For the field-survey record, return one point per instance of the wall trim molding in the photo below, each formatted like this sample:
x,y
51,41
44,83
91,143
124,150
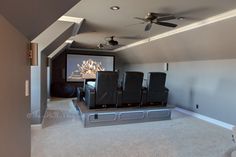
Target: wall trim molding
x,y
205,118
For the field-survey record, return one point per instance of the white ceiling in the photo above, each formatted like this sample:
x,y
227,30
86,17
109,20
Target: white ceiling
x,y
213,41
101,22
51,33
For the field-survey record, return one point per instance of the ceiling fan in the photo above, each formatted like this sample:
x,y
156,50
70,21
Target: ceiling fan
x,y
159,19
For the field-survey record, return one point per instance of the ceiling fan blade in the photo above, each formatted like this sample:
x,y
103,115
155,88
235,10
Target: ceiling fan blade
x,y
166,18
133,24
139,18
148,27
167,24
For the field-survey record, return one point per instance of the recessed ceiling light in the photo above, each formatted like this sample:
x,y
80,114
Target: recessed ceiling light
x,y
114,8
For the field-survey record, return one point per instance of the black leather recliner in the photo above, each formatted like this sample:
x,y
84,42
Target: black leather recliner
x,y
104,93
131,89
156,92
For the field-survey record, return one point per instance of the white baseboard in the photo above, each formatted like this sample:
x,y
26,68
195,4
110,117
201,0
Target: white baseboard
x,y
36,126
205,118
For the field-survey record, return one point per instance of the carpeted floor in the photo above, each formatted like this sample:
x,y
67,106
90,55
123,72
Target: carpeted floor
x,y
183,136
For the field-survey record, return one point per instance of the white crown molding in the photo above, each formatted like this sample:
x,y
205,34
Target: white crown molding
x,y
213,19
77,20
205,118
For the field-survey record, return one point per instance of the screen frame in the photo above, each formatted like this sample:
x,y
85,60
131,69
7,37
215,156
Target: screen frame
x,y
71,53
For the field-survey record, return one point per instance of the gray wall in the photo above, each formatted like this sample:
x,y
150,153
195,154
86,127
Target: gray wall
x,y
211,84
14,105
35,91
35,94
47,41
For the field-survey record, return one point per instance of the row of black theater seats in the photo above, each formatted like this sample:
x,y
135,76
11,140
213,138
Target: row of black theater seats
x,y
107,92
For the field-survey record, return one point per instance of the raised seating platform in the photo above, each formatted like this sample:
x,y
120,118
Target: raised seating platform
x,y
113,116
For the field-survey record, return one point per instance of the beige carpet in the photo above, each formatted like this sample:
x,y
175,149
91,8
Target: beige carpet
x,y
183,136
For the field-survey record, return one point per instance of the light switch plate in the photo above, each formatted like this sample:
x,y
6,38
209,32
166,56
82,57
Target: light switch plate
x,y
27,88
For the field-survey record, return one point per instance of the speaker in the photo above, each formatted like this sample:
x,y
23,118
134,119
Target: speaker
x,y
33,54
166,66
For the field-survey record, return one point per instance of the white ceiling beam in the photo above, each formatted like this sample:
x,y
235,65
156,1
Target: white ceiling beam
x,y
77,20
71,19
59,49
67,43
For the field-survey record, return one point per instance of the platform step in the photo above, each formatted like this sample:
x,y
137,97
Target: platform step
x,y
114,116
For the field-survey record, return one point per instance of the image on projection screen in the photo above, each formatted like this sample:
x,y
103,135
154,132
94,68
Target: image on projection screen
x,y
80,67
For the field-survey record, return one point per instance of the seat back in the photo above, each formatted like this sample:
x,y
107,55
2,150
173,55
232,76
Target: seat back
x,y
156,87
132,87
106,87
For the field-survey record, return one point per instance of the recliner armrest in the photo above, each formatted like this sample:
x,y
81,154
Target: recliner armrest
x,y
90,95
166,95
144,95
119,97
166,89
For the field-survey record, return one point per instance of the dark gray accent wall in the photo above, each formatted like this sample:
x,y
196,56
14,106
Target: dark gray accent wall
x,y
14,105
59,86
210,84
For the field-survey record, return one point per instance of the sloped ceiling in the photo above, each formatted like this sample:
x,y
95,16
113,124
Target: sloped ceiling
x,y
31,17
214,41
58,41
51,33
101,21
54,36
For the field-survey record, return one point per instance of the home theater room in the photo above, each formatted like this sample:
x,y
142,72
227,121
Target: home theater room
x,y
121,78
